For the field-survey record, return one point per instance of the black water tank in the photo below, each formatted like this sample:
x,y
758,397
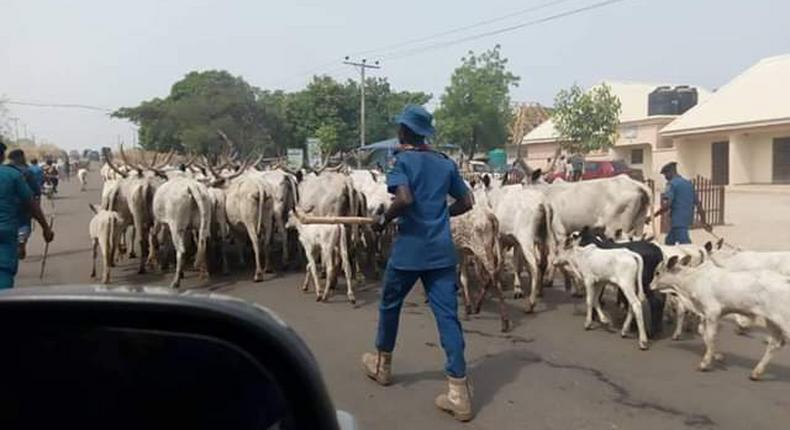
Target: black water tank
x,y
660,102
686,98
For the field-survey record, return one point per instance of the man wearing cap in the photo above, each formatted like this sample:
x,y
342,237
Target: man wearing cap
x,y
15,196
16,159
679,199
421,180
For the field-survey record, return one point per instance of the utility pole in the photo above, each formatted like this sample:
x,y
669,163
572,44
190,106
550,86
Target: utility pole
x,y
363,65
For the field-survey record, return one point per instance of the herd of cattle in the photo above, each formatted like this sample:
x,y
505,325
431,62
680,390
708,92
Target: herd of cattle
x,y
197,208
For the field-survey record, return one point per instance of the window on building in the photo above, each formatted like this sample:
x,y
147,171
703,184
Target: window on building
x,y
637,156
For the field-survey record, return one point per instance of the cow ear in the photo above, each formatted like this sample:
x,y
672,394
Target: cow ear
x,y
618,234
672,262
720,243
686,260
708,246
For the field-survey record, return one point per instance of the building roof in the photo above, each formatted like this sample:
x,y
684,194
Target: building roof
x,y
633,101
760,96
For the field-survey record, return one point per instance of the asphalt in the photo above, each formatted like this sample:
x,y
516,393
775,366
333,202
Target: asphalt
x,y
548,373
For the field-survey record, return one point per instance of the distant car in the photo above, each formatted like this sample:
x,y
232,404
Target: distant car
x,y
605,169
479,167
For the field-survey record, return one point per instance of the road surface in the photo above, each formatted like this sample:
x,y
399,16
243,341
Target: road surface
x,y
548,373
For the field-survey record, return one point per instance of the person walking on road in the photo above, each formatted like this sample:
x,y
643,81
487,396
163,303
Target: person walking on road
x,y
421,180
577,167
15,196
16,159
679,200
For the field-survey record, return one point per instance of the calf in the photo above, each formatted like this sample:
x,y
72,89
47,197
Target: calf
x,y
327,244
476,237
105,232
596,268
82,174
715,292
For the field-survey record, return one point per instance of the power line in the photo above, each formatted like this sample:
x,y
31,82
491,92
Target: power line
x,y
415,51
462,28
59,105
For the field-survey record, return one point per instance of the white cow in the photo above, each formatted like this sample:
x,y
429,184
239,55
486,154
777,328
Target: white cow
x,y
249,206
82,175
183,205
283,189
327,244
523,216
105,232
715,292
595,268
220,230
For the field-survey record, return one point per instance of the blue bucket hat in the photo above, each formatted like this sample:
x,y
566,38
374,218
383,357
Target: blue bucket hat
x,y
417,119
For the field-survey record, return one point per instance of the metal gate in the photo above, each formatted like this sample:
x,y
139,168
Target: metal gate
x,y
711,198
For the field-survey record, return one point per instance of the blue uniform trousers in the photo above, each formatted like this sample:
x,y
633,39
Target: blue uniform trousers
x,y
441,287
8,258
678,235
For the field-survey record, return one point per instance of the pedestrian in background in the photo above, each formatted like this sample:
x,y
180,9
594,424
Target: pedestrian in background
x,y
15,196
421,180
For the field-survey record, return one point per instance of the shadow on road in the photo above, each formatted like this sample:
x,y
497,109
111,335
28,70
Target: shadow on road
x,y
774,372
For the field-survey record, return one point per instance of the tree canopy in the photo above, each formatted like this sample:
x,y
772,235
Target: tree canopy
x,y
475,110
265,121
586,120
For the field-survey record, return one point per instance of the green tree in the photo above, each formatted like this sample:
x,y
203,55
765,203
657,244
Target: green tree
x,y
197,106
475,111
586,120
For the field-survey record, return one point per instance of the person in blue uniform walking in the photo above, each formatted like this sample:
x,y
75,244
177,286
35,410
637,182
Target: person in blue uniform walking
x,y
421,179
16,159
679,200
16,200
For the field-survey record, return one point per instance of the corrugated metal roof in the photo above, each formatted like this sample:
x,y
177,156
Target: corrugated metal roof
x,y
633,100
759,96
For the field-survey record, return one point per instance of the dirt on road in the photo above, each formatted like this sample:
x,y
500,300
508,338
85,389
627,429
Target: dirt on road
x,y
548,373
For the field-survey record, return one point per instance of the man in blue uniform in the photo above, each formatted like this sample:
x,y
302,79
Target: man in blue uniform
x,y
421,180
37,172
16,159
680,199
15,196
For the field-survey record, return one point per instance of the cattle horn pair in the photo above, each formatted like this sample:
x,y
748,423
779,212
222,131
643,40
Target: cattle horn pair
x,y
108,160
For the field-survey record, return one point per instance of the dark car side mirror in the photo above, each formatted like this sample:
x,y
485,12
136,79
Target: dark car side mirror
x,y
84,357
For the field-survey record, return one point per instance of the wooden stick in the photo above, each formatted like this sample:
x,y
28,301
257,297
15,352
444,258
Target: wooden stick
x,y
46,248
353,220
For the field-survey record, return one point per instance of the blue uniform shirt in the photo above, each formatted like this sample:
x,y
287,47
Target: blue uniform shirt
x,y
38,174
14,192
682,199
424,240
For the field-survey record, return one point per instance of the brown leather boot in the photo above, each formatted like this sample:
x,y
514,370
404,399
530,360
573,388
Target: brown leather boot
x,y
458,400
378,366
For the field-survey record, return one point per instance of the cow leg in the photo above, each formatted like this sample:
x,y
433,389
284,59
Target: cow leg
x,y
131,243
312,266
328,258
775,341
306,282
284,233
629,319
267,240
179,244
636,312
680,319
463,280
598,290
256,251
106,250
709,336
518,267
346,262
153,246
93,269
589,289
534,280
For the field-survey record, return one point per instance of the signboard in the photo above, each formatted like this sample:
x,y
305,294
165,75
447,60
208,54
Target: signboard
x,y
295,158
314,153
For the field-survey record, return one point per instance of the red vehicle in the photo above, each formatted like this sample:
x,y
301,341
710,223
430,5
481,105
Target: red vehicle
x,y
604,169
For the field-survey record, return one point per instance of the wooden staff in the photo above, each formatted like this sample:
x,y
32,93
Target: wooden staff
x,y
351,220
46,248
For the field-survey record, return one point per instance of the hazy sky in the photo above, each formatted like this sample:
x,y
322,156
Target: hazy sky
x,y
117,53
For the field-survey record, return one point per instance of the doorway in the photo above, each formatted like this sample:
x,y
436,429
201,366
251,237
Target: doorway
x,y
720,161
781,160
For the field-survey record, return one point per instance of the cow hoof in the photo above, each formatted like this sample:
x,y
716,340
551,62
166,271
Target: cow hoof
x,y
718,357
352,300
258,277
318,298
643,346
132,255
468,310
530,308
588,326
623,334
505,326
518,295
702,367
675,337
754,376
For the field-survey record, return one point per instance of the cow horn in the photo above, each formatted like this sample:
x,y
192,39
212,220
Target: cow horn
x,y
167,159
108,160
126,160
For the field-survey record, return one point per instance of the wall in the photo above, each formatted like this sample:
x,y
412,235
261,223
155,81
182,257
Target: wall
x,y
694,156
537,153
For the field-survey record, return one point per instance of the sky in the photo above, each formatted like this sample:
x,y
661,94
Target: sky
x,y
108,54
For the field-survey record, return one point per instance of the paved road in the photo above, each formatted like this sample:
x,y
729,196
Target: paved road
x,y
547,374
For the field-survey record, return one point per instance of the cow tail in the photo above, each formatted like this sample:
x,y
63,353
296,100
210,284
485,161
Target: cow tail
x,y
645,209
205,219
497,248
261,201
